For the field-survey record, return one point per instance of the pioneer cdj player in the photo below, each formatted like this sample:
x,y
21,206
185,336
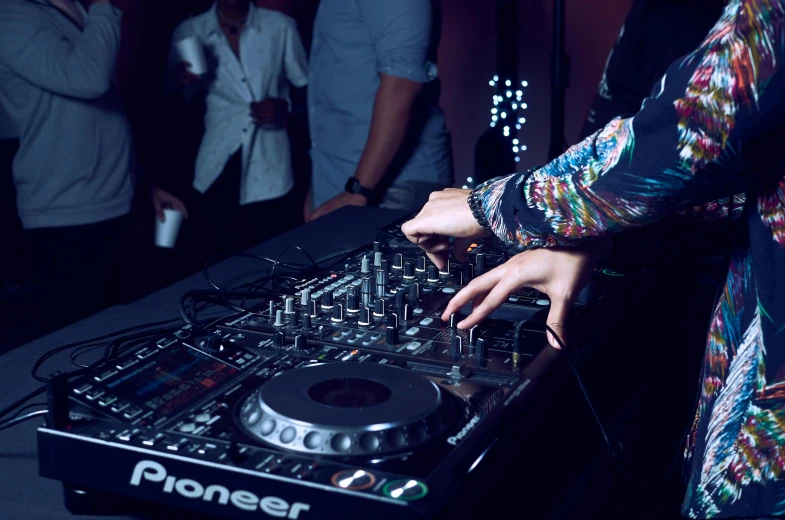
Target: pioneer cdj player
x,y
348,393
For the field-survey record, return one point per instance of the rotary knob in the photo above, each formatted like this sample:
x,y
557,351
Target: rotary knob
x,y
457,278
382,278
271,308
377,259
279,340
408,271
480,261
453,320
392,320
468,272
289,306
473,335
400,298
446,268
306,321
481,348
365,265
414,291
407,312
305,297
377,247
398,261
327,300
300,342
337,313
279,318
352,291
456,345
384,266
366,286
352,304
392,336
365,317
421,264
379,308
313,308
433,274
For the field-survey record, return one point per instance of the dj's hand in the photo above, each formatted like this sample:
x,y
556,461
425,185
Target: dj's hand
x,y
183,74
560,273
163,199
446,215
339,201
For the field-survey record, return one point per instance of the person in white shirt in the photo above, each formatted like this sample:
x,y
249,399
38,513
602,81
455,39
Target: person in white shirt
x,y
242,172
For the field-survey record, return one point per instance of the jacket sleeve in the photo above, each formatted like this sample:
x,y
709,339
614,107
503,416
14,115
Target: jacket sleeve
x,y
708,132
81,69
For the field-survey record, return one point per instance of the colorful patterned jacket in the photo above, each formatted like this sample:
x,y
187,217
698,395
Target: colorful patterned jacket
x,y
713,128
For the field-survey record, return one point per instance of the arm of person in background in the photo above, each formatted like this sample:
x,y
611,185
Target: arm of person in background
x,y
295,68
681,149
401,33
81,69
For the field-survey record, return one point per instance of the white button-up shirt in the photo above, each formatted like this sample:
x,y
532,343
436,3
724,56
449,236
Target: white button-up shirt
x,y
271,57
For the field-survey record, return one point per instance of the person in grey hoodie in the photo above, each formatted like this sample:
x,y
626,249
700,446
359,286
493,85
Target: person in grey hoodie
x,y
73,172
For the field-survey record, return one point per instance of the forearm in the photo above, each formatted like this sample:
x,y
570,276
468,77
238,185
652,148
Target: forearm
x,y
392,113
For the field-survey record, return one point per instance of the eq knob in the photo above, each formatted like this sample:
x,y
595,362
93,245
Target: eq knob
x,y
421,264
295,320
306,321
377,247
392,336
408,271
352,303
278,318
457,278
473,335
433,274
305,297
271,308
337,313
446,268
313,308
414,291
279,340
352,291
400,298
480,261
468,272
377,259
289,306
366,286
365,265
398,261
457,345
382,278
327,300
300,342
481,348
392,320
453,320
407,312
379,308
384,266
365,317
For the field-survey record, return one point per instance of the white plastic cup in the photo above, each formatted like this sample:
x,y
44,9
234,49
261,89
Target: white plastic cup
x,y
166,232
190,50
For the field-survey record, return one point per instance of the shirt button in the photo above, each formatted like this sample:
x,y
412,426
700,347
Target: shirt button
x,y
243,80
245,130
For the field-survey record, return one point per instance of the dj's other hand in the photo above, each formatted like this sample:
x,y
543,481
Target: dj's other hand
x,y
560,273
269,110
339,201
446,215
183,74
162,199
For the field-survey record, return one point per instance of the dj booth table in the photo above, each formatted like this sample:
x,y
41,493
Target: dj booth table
x,y
23,493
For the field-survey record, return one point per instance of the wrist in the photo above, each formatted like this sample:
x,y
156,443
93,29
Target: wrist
x,y
355,187
475,205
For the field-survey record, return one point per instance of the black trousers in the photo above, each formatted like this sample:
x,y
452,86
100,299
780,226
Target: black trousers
x,y
219,224
80,270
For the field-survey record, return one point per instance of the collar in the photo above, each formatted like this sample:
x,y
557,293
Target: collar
x,y
212,27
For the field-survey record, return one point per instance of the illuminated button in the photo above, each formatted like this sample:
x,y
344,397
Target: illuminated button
x,y
543,302
412,331
118,406
105,375
82,389
418,311
187,427
202,417
127,363
407,490
107,400
145,353
426,322
127,435
153,440
354,479
177,446
93,395
414,345
130,413
448,290
513,299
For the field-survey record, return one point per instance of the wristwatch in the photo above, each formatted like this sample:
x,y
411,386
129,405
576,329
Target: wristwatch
x,y
475,204
354,186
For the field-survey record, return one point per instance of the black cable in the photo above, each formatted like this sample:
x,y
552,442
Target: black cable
x,y
284,250
223,256
25,408
19,402
17,420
